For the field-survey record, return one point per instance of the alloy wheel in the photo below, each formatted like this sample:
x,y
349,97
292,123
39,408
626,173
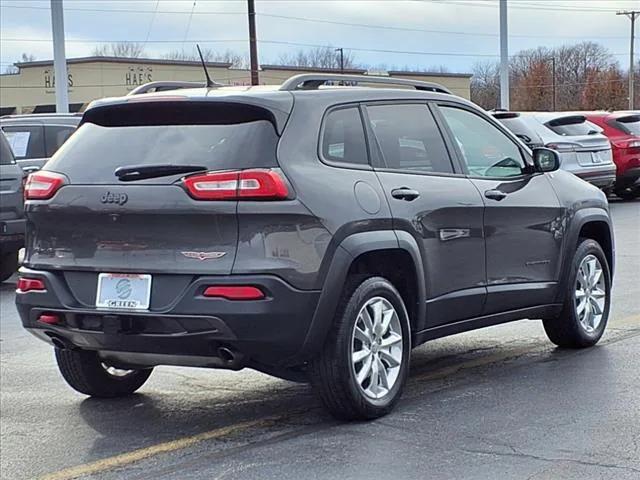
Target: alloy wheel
x,y
376,348
590,293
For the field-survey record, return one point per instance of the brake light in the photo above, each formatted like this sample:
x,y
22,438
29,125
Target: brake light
x,y
42,185
243,184
234,292
30,285
49,319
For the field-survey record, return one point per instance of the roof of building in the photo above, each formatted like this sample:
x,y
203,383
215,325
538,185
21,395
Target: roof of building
x,y
153,61
313,69
428,74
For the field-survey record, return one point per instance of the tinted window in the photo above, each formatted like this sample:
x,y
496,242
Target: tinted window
x,y
408,138
486,150
343,138
94,152
26,141
6,156
570,126
55,136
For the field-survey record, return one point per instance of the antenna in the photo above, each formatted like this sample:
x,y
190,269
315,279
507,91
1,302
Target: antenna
x,y
210,83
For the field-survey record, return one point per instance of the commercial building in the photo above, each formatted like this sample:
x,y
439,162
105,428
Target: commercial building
x,y
32,88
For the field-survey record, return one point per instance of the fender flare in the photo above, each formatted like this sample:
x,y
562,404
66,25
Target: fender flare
x,y
579,220
344,255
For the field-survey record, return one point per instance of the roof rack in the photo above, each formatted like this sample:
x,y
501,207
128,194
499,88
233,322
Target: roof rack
x,y
311,81
164,85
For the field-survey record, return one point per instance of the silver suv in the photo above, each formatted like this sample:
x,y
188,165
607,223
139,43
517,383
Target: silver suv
x,y
584,150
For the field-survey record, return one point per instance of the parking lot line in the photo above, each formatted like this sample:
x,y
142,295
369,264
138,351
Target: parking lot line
x,y
133,456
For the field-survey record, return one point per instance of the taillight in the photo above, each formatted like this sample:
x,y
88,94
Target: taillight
x,y
562,147
243,184
42,185
30,285
234,292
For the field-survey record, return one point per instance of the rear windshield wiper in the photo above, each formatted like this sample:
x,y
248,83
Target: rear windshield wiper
x,y
140,172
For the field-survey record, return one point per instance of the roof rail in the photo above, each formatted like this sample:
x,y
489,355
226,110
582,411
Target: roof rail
x,y
311,81
164,85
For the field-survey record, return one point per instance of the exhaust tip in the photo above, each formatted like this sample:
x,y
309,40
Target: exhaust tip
x,y
227,354
58,343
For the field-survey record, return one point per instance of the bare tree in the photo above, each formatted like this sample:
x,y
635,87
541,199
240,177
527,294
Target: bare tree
x,y
485,84
236,60
120,49
319,57
25,57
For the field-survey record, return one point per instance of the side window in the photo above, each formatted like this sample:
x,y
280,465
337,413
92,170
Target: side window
x,y
409,138
55,136
343,137
486,150
26,141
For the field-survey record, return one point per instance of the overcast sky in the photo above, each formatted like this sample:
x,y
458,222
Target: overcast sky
x,y
452,33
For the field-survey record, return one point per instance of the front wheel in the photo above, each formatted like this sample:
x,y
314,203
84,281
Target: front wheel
x,y
363,367
87,373
587,301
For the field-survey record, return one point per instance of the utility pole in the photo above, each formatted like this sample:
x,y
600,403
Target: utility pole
x,y
553,83
59,57
341,50
631,15
504,57
253,42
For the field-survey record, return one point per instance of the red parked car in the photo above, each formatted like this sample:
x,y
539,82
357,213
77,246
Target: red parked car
x,y
623,130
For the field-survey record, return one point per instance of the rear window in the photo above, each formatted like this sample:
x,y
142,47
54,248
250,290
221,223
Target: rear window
x,y
27,141
55,136
6,156
629,124
94,152
572,126
519,128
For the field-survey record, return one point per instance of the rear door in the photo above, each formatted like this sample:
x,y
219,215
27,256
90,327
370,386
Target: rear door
x,y
440,208
523,219
10,185
99,223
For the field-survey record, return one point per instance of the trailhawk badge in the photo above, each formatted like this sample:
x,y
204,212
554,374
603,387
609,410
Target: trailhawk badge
x,y
204,255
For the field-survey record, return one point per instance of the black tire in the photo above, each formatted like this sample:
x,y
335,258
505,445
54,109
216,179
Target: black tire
x,y
567,330
628,193
84,371
9,265
331,372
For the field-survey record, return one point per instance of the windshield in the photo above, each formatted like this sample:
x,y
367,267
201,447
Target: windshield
x,y
94,152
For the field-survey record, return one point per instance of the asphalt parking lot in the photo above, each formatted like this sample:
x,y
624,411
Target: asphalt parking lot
x,y
496,403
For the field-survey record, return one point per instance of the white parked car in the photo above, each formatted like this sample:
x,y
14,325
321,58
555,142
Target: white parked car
x,y
583,149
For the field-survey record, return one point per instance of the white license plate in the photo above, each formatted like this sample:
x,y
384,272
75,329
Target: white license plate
x,y
596,157
123,291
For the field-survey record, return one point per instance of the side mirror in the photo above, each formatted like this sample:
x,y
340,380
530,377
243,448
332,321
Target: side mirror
x,y
546,160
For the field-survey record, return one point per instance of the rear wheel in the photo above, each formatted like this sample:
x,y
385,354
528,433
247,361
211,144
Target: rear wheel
x,y
628,193
363,366
8,265
587,300
87,373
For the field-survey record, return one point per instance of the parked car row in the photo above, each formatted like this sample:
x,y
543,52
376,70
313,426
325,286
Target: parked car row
x,y
602,148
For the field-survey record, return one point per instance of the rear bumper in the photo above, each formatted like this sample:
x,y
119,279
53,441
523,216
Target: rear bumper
x,y
12,234
630,176
191,331
601,177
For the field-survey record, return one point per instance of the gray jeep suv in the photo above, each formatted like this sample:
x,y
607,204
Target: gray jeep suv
x,y
12,222
315,234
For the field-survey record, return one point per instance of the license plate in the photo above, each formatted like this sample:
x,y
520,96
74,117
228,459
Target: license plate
x,y
596,158
123,291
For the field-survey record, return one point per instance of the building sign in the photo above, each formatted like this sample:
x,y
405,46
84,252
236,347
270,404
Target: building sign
x,y
135,76
50,80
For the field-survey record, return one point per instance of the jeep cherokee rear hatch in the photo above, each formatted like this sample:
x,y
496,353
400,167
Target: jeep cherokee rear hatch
x,y
152,187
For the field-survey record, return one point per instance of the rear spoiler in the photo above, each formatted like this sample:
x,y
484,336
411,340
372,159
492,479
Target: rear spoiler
x,y
568,120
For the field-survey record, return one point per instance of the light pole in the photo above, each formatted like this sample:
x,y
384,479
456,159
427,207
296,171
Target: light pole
x,y
504,57
253,42
341,50
632,15
59,57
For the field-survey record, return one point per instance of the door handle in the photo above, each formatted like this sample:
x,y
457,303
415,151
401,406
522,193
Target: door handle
x,y
405,193
495,194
